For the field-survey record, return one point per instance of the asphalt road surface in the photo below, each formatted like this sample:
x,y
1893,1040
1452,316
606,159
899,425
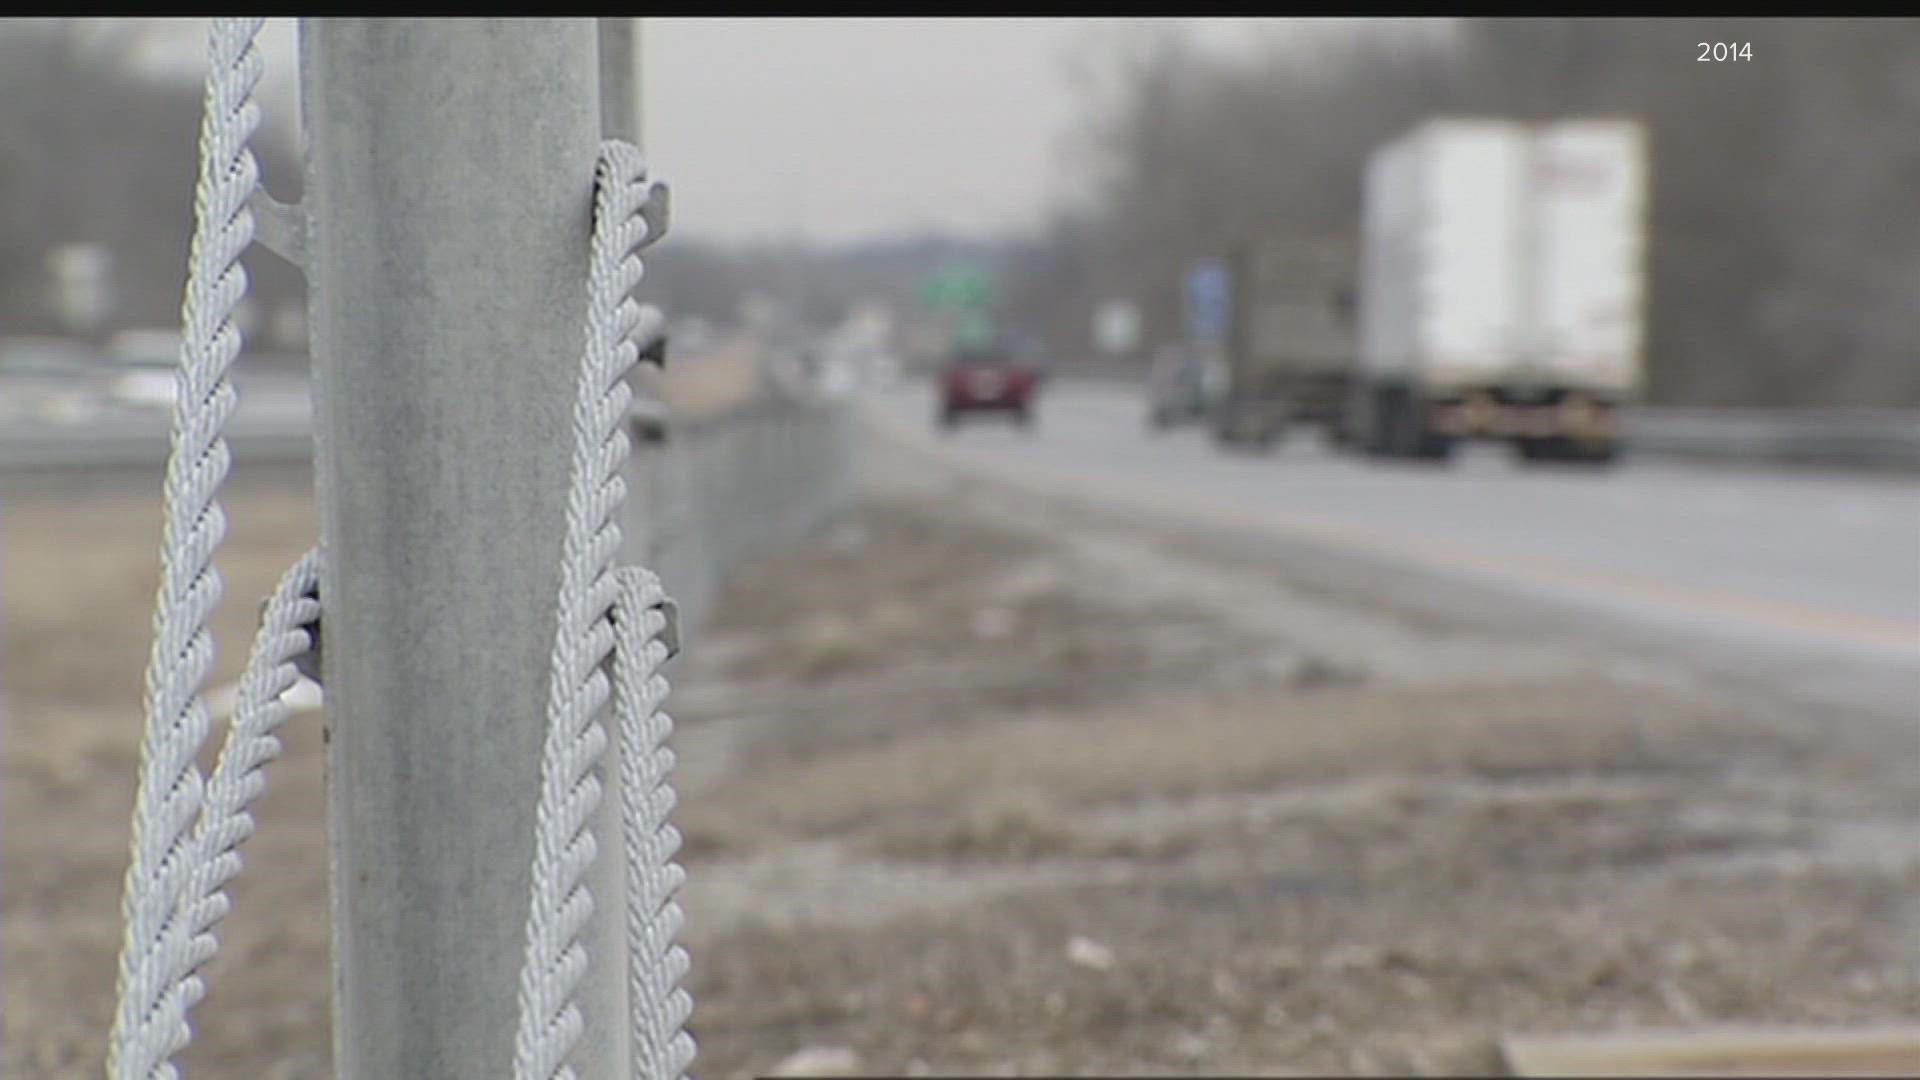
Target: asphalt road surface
x,y
1803,584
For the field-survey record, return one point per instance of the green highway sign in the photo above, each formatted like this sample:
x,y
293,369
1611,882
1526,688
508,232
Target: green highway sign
x,y
973,330
959,288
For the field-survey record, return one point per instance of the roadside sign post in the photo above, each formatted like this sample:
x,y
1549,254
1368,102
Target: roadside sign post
x,y
963,295
605,937
1206,303
621,91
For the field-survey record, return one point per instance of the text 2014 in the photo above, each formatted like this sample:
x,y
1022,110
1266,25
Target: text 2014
x,y
1721,50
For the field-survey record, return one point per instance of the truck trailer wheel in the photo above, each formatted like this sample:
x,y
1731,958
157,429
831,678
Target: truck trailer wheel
x,y
1598,455
1434,447
1558,449
1226,429
1400,430
1605,454
1340,433
1369,424
1272,435
1397,427
1235,442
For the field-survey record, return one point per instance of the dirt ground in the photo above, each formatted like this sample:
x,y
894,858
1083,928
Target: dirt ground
x,y
966,790
78,573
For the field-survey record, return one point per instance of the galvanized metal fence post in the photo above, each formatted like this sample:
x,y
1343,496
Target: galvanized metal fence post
x,y
620,90
605,984
450,173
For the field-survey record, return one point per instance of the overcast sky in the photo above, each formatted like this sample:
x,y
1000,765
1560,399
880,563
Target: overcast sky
x,y
844,129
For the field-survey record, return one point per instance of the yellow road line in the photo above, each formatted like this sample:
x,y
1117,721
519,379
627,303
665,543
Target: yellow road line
x,y
1434,553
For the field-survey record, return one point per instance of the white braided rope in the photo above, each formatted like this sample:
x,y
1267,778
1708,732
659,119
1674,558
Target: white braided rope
x,y
153,995
564,844
239,776
175,883
212,858
658,1006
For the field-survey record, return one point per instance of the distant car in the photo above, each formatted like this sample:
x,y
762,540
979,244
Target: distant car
x,y
988,382
1179,391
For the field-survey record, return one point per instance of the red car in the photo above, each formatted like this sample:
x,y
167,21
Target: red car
x,y
989,383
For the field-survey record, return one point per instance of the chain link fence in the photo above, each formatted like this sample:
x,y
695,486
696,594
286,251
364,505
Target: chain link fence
x,y
708,494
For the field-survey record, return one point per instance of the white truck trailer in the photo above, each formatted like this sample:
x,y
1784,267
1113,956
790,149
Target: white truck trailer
x,y
1502,281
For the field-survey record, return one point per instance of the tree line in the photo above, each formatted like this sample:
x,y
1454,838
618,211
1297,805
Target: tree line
x,y
94,151
1784,244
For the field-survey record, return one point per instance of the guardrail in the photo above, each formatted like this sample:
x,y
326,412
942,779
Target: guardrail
x,y
273,424
1866,439
715,492
705,493
87,447
1881,439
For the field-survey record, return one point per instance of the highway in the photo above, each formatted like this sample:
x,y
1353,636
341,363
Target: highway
x,y
1804,584
272,422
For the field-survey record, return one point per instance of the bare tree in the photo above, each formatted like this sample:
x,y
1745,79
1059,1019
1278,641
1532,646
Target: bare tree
x,y
91,151
1784,246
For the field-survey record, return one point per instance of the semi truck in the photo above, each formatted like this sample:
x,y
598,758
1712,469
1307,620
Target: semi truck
x,y
1502,281
1290,345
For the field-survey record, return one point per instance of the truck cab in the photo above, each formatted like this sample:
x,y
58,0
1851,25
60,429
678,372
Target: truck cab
x,y
1291,343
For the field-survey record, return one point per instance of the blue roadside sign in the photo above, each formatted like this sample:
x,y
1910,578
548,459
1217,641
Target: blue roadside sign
x,y
1207,301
